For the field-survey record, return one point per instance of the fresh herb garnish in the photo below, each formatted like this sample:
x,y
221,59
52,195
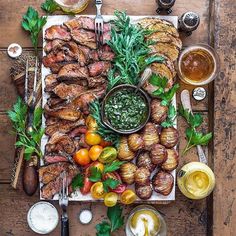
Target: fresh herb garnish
x,y
161,83
33,23
95,174
29,140
193,137
110,183
77,182
106,133
116,219
115,165
131,50
50,6
171,115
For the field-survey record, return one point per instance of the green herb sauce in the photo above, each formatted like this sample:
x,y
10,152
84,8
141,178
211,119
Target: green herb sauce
x,y
125,110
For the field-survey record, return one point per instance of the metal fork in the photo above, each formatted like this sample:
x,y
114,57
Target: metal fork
x,y
99,24
63,202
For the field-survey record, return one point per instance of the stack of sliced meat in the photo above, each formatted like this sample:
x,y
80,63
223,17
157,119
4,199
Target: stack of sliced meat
x,y
79,76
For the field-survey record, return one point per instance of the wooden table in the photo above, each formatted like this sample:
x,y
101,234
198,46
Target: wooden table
x,y
215,215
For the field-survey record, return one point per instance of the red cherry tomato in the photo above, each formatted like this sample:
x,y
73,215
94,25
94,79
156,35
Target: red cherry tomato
x,y
87,183
114,175
105,143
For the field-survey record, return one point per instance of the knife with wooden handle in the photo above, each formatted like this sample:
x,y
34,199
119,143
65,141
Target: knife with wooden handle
x,y
185,99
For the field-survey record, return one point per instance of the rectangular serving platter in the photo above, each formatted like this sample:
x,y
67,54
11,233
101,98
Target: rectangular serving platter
x,y
77,196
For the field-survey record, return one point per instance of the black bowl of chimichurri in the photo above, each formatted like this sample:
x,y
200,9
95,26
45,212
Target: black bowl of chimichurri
x,y
124,110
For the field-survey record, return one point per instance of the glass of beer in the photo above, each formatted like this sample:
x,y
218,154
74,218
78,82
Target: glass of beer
x,y
72,6
198,64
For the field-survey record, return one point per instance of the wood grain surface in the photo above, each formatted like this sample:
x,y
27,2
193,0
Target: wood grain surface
x,y
184,217
224,197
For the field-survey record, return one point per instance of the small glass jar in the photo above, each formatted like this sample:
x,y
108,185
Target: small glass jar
x,y
198,64
73,6
162,231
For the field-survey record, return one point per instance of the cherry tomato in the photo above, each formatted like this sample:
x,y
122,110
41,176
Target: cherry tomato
x,y
95,151
105,143
119,189
91,123
92,138
87,183
128,197
97,190
110,199
114,175
98,165
81,157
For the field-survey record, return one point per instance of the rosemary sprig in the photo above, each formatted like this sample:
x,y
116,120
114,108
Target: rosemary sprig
x,y
106,133
131,50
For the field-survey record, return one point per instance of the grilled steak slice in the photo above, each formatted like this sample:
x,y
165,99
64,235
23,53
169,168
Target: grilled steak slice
x,y
84,22
78,131
84,37
57,32
53,187
63,126
94,82
50,82
65,113
62,140
54,45
55,158
99,68
57,57
69,92
50,172
54,101
106,53
72,72
55,67
106,37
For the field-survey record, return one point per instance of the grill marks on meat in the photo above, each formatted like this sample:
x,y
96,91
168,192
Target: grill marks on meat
x,y
55,158
99,68
63,126
69,92
54,186
49,173
72,72
60,142
57,32
50,82
84,37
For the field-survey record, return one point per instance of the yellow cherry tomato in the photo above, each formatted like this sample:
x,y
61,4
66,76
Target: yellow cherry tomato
x,y
110,199
91,123
95,151
128,197
81,157
98,165
92,138
97,190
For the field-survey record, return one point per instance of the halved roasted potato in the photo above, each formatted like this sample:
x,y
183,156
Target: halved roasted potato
x,y
164,37
167,49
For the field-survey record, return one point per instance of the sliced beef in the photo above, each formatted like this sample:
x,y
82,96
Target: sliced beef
x,y
78,131
55,67
55,158
69,92
50,82
95,82
63,126
57,32
54,101
99,68
84,37
72,72
106,37
84,22
65,113
53,187
63,141
50,172
106,55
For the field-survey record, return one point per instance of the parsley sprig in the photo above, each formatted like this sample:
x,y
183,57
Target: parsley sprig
x,y
194,137
171,116
78,181
33,23
116,221
106,133
50,6
131,50
29,140
97,175
161,83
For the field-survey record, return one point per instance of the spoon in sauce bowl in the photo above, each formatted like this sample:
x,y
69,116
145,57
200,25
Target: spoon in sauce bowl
x,y
145,76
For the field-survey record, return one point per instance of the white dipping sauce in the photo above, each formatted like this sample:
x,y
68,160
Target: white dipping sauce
x,y
42,217
85,216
